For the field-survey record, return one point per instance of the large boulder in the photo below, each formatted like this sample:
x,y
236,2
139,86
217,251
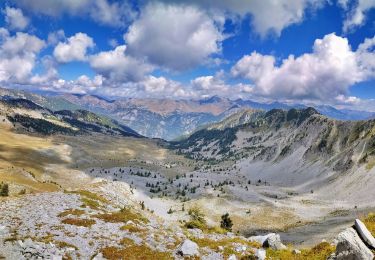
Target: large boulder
x,y
351,247
271,240
364,233
188,248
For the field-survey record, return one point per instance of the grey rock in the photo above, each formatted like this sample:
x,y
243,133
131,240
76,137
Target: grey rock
x,y
351,247
296,251
364,233
213,256
188,248
270,240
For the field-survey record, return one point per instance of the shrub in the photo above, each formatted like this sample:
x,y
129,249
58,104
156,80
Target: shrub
x,y
197,219
4,190
226,222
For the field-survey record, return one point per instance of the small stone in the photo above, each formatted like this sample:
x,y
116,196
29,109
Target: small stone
x,y
232,257
296,252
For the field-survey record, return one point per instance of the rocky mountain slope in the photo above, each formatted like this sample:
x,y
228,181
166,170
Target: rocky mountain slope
x,y
299,148
25,115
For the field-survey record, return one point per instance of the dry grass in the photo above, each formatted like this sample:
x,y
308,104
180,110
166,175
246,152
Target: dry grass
x,y
90,195
132,251
227,244
124,215
93,204
369,221
320,252
79,222
74,212
132,228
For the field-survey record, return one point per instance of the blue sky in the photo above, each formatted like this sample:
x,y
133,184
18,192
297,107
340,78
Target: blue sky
x,y
298,51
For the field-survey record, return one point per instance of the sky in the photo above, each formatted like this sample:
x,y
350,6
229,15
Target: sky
x,y
295,51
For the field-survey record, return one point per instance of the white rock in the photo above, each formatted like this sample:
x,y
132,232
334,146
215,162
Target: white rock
x,y
364,233
273,241
188,248
296,252
260,254
220,248
351,247
232,257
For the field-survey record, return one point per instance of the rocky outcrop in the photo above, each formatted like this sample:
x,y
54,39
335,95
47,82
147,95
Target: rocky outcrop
x,y
271,240
364,233
351,247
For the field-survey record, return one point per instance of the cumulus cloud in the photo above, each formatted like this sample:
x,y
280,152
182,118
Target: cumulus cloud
x,y
15,19
356,13
324,74
106,12
117,66
175,37
205,86
268,16
74,49
18,55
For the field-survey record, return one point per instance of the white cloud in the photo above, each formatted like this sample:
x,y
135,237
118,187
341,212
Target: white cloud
x,y
103,11
356,14
117,66
15,18
175,37
55,37
74,49
267,15
18,55
206,86
324,74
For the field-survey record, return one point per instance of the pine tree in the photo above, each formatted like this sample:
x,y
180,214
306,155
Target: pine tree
x,y
4,191
226,222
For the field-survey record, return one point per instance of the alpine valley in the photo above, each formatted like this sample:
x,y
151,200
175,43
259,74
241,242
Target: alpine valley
x,y
83,177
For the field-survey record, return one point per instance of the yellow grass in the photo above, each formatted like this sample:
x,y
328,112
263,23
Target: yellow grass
x,y
79,222
320,252
369,221
124,215
132,251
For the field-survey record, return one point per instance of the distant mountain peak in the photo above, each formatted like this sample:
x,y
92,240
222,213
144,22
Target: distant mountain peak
x,y
211,100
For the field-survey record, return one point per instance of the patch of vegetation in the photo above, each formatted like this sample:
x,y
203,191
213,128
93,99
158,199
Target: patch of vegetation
x,y
132,251
90,195
4,189
79,222
90,199
131,228
197,219
319,252
369,221
75,212
40,125
124,215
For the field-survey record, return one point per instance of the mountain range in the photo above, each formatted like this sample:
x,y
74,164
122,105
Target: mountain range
x,y
168,119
